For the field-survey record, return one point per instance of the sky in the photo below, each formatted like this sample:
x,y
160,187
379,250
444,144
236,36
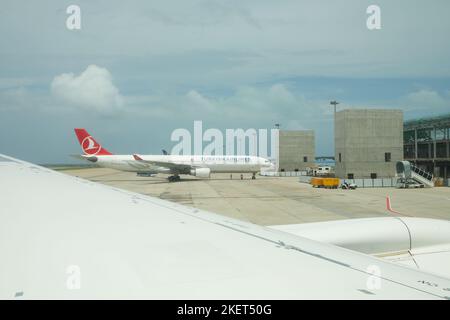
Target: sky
x,y
137,70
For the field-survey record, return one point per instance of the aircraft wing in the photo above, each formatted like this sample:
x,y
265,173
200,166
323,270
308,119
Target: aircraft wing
x,y
175,167
67,238
84,157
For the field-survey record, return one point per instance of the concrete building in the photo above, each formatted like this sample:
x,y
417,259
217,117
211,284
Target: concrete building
x,y
368,142
296,150
427,144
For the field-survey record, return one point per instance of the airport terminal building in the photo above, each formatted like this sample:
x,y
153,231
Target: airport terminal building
x,y
368,143
427,144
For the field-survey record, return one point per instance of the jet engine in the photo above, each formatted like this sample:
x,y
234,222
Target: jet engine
x,y
201,172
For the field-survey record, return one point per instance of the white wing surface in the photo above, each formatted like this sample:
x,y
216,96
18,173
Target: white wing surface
x,y
64,237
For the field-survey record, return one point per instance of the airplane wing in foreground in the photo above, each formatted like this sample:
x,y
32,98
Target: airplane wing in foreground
x,y
67,238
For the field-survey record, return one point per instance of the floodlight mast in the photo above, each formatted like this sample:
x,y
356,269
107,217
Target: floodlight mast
x,y
334,103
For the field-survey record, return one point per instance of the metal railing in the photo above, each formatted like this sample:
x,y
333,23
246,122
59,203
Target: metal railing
x,y
422,173
283,173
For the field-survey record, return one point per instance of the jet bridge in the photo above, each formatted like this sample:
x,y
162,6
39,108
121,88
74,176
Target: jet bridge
x,y
411,175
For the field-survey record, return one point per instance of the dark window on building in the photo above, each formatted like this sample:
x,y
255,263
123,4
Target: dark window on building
x,y
282,170
340,159
295,170
387,157
350,176
423,151
409,152
305,159
409,136
373,176
441,150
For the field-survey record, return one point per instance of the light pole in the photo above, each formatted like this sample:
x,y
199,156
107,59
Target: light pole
x,y
275,154
334,103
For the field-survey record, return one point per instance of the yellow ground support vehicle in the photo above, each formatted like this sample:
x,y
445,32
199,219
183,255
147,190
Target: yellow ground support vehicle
x,y
317,182
329,183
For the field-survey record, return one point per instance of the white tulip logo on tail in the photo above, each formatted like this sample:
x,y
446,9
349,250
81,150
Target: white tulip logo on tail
x,y
90,146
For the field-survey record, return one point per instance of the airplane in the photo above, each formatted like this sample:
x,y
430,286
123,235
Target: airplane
x,y
147,165
64,237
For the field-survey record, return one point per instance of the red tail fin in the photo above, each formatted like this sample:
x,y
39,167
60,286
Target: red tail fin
x,y
89,145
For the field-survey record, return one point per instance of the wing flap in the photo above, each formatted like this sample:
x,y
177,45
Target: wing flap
x,y
177,167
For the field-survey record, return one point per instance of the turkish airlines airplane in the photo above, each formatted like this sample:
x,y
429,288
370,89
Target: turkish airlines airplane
x,y
196,165
68,238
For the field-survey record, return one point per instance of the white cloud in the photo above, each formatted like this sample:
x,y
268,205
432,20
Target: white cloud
x,y
198,101
279,93
424,102
425,97
248,104
93,89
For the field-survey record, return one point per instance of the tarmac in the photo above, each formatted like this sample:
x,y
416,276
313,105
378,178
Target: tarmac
x,y
277,200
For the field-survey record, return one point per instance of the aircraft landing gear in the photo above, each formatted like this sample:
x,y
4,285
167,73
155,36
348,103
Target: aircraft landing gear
x,y
174,178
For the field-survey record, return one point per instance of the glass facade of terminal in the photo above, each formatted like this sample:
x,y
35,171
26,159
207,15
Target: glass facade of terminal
x,y
427,144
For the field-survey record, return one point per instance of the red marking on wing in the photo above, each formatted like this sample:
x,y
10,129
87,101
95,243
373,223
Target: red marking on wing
x,y
389,207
